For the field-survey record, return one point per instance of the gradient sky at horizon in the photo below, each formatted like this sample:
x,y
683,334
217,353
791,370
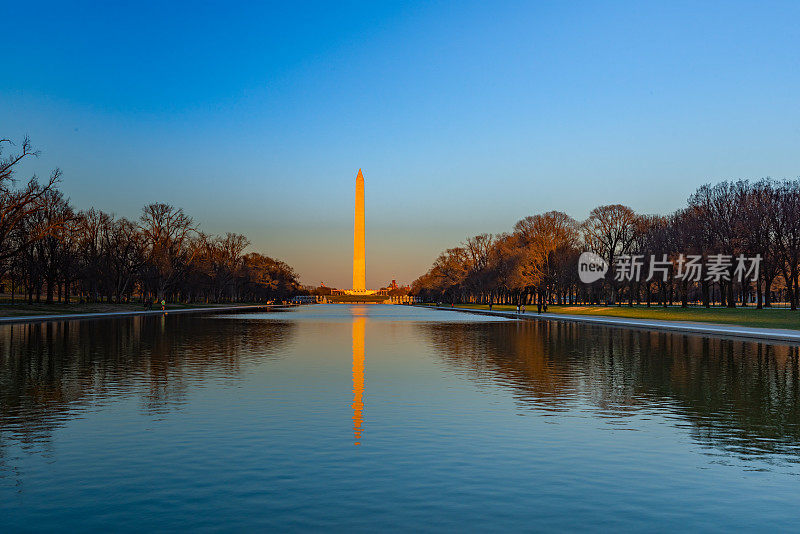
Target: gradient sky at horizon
x,y
465,117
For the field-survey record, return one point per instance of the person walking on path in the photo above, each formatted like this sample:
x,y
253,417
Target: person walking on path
x,y
163,304
517,309
523,308
538,306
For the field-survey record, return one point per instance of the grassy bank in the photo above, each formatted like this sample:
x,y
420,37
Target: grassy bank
x,y
767,318
20,310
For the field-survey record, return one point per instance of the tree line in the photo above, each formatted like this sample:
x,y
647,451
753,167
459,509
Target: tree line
x,y
538,260
49,251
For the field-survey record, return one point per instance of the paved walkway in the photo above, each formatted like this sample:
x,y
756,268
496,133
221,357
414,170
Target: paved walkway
x,y
110,315
772,334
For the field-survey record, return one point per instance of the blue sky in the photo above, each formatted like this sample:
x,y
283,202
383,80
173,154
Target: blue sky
x,y
464,116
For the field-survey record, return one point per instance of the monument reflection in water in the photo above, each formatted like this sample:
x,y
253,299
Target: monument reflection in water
x,y
359,324
249,422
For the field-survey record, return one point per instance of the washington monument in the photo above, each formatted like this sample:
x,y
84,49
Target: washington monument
x,y
359,260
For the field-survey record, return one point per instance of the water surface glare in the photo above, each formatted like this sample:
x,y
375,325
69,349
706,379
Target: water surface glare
x,y
349,417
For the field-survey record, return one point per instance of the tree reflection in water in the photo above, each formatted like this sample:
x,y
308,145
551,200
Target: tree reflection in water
x,y
49,371
738,395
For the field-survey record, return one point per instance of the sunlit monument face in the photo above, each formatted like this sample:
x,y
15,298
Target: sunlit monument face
x,y
359,261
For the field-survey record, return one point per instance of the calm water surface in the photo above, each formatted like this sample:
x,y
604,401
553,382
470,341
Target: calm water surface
x,y
357,417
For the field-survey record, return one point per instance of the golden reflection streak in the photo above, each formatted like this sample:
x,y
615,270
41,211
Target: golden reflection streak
x,y
358,375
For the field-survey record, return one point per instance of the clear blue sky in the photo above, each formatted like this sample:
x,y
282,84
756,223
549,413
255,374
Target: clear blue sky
x,y
465,116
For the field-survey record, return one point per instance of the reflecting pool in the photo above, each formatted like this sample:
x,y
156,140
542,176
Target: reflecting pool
x,y
350,417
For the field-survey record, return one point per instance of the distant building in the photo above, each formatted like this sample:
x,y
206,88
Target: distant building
x,y
394,290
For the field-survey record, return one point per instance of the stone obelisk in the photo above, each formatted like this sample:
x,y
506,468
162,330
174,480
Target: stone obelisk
x,y
359,260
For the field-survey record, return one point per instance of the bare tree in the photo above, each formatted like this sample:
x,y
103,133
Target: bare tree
x,y
786,225
19,204
610,232
543,241
167,232
478,250
716,208
125,255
